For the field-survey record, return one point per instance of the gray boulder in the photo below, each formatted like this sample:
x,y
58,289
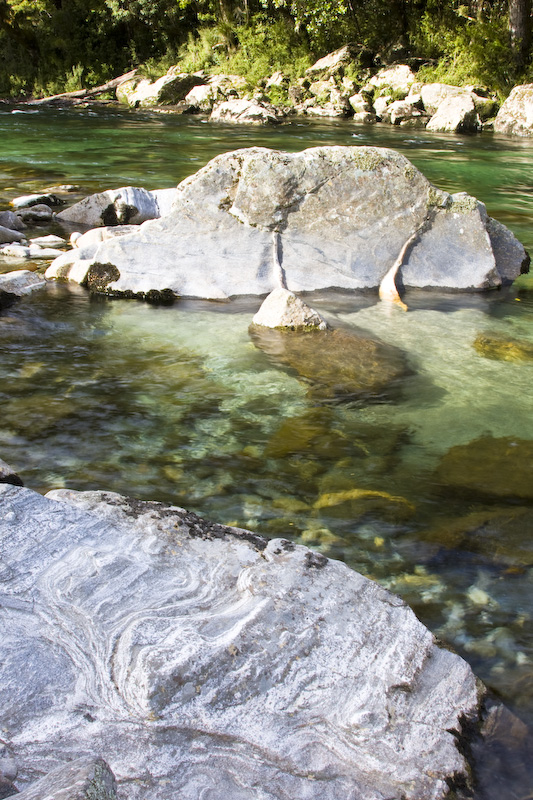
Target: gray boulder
x,y
170,88
8,219
41,212
85,778
342,215
516,114
118,207
7,235
205,661
456,114
246,111
21,282
398,77
333,63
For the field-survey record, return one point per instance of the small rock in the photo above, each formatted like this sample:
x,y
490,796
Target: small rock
x,y
8,475
246,111
282,309
43,252
21,282
29,200
7,235
493,467
15,251
48,241
8,219
37,213
499,348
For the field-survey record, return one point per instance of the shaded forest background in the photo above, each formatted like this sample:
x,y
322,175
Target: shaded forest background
x,y
47,46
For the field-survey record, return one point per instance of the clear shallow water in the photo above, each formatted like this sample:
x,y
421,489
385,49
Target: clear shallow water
x,y
177,404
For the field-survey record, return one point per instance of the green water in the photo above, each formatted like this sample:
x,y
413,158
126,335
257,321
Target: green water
x,y
178,404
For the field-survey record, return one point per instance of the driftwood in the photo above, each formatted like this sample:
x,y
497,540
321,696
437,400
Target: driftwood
x,y
82,94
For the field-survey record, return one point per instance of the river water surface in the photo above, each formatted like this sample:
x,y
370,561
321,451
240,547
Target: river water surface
x,y
177,404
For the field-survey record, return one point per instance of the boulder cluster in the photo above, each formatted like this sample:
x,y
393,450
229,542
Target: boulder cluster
x,y
392,95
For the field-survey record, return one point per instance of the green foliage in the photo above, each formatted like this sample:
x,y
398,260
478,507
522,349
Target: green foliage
x,y
267,47
469,51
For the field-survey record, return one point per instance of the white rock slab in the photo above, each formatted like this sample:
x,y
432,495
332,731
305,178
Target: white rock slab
x,y
21,281
204,661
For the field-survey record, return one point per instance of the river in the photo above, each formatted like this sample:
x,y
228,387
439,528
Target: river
x,y
176,404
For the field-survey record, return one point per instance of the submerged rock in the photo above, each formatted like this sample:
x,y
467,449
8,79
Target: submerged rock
x,y
495,534
500,348
21,281
337,364
343,215
202,659
489,467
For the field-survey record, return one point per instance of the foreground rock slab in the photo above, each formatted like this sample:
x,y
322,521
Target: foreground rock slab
x,y
338,217
204,661
83,779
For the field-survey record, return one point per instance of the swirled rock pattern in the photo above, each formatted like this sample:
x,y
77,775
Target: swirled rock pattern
x,y
204,662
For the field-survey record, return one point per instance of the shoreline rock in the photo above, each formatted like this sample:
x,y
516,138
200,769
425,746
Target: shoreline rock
x,y
217,659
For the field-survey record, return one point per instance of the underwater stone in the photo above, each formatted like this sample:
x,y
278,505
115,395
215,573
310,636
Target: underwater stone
x,y
206,661
338,363
490,467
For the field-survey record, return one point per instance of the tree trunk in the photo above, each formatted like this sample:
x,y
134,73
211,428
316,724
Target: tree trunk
x,y
83,94
520,30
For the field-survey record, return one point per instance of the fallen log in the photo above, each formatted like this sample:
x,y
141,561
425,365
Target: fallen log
x,y
82,94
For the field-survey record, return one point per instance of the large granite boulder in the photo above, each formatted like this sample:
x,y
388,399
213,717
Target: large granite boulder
x,y
170,88
340,217
516,114
204,661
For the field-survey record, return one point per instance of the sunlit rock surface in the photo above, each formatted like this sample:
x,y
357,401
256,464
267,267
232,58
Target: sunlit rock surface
x,y
342,216
204,662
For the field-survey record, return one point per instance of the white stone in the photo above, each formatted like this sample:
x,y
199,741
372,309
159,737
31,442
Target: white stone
x,y
204,661
21,282
283,309
48,241
399,78
516,114
456,114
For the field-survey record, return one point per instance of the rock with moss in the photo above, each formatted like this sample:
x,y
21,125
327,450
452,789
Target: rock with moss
x,y
342,216
204,660
169,89
500,348
86,778
516,114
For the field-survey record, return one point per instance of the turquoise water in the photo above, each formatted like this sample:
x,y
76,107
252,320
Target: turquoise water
x,y
178,404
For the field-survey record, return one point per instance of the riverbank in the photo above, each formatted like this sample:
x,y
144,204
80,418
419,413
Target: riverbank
x,y
332,88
